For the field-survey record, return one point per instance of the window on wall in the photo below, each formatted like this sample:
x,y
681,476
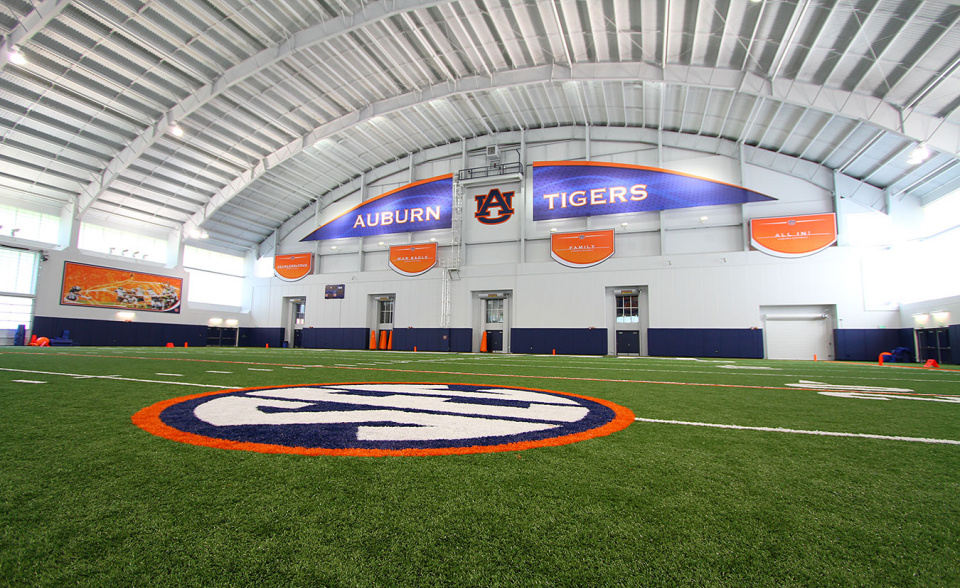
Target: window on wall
x,y
29,224
112,241
386,312
215,278
495,310
214,261
18,278
628,309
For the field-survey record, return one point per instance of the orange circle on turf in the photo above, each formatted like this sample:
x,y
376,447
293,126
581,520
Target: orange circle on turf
x,y
149,419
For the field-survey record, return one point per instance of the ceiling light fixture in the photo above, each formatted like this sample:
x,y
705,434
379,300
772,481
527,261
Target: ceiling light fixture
x,y
919,155
175,129
204,235
16,57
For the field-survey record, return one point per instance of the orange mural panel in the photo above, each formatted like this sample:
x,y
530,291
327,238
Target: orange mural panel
x,y
413,260
104,287
794,236
582,249
293,267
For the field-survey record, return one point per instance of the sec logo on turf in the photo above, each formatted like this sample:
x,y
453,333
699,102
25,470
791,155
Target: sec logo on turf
x,y
377,419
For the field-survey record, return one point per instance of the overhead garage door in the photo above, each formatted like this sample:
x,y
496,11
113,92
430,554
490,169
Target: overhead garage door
x,y
798,338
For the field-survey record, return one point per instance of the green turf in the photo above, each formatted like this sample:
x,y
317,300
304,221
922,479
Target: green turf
x,y
89,499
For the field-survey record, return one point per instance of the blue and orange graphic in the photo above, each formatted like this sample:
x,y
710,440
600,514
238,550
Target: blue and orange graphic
x,y
421,206
381,419
568,189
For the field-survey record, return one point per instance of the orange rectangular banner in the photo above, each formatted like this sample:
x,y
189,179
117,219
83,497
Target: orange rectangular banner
x,y
582,249
794,236
293,267
105,287
413,260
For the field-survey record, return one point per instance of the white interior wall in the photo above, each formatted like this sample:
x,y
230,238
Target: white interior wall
x,y
697,271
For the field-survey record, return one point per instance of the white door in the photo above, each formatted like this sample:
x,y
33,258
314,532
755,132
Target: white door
x,y
800,338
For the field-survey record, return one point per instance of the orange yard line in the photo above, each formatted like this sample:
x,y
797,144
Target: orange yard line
x,y
445,373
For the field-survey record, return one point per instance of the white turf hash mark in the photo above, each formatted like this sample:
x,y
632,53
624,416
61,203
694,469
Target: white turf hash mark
x,y
118,378
802,432
28,381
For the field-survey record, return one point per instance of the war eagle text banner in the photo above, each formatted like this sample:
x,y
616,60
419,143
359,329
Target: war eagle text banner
x,y
567,189
421,206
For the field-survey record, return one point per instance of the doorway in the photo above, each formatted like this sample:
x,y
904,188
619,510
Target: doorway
x,y
798,332
294,319
382,310
627,320
934,344
494,321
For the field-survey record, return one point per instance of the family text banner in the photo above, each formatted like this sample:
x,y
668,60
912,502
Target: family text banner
x,y
794,236
413,260
293,267
567,189
421,206
584,249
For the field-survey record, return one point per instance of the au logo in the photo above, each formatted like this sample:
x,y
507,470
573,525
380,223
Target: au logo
x,y
378,419
494,199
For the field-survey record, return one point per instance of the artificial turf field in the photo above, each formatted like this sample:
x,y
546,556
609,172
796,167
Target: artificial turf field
x,y
87,498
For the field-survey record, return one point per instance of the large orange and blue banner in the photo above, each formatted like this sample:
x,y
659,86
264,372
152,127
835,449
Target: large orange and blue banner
x,y
104,287
421,206
794,236
568,189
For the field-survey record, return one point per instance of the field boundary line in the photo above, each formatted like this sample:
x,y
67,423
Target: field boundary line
x,y
802,432
95,377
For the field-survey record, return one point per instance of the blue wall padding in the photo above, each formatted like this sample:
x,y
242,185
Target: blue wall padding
x,y
868,344
564,341
336,338
432,339
261,337
955,344
117,333
732,343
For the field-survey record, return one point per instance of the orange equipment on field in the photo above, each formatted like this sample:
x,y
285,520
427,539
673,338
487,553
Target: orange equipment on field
x,y
483,342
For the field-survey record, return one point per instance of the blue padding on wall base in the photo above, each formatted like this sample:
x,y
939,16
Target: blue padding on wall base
x,y
432,339
336,338
116,333
563,341
732,343
954,331
868,344
261,337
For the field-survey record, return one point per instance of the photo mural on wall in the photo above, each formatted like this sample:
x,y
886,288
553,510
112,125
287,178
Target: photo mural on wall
x,y
104,287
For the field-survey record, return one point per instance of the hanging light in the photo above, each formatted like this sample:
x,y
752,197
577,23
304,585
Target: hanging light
x,y
919,155
175,129
16,57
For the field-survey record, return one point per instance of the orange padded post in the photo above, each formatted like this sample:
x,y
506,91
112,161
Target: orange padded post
x,y
383,339
881,359
483,342
390,341
373,339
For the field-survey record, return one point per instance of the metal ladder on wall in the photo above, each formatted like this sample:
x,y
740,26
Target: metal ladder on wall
x,y
451,265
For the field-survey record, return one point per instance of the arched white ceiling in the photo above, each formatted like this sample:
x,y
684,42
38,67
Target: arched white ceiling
x,y
849,85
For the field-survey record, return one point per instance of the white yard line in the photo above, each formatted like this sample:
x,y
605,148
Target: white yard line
x,y
802,432
117,378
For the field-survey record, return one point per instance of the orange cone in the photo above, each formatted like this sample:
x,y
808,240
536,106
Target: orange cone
x,y
390,341
931,363
185,344
383,339
373,339
483,343
170,345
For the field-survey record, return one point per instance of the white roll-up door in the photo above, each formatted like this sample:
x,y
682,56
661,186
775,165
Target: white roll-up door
x,y
798,337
